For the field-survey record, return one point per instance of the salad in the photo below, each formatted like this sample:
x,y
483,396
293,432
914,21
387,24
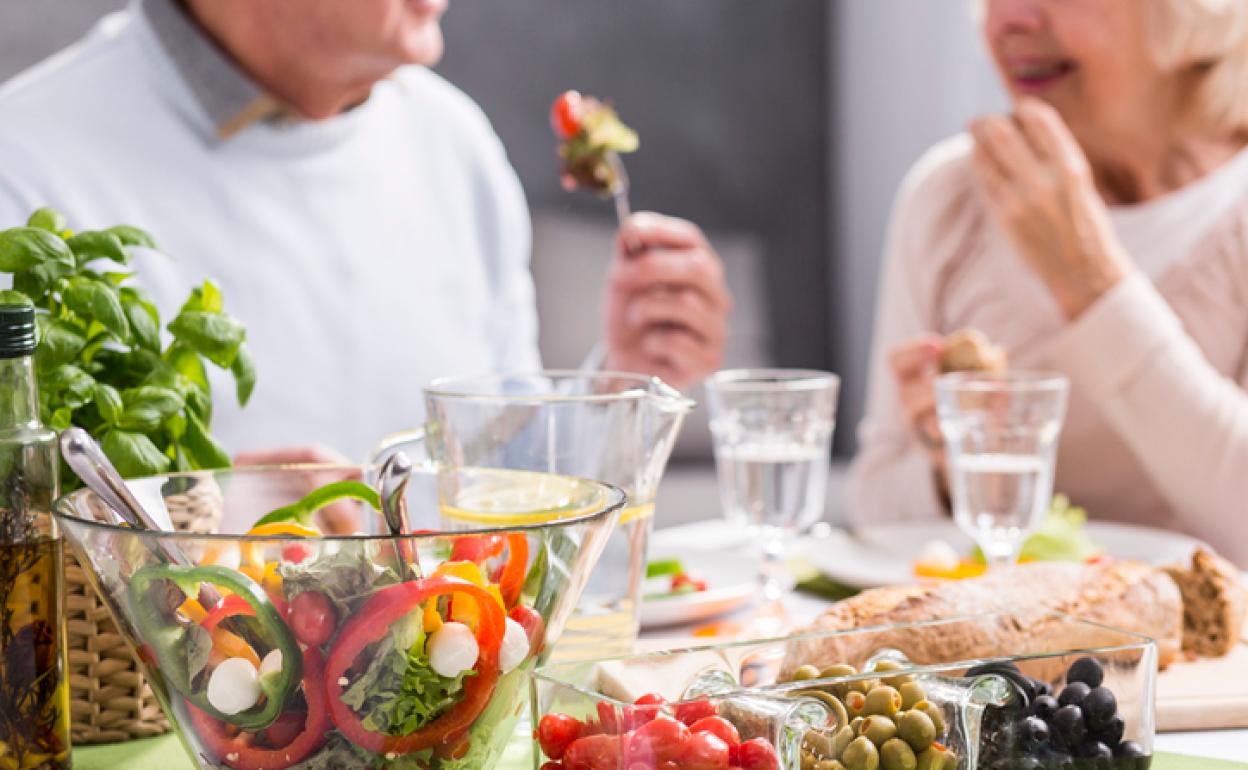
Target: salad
x,y
341,654
666,578
1062,536
591,137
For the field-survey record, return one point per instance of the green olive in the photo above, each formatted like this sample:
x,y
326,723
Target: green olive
x,y
880,729
837,672
856,725
831,701
843,738
917,729
884,666
864,686
855,703
808,761
883,700
911,693
805,672
936,758
896,754
829,764
935,713
819,743
861,755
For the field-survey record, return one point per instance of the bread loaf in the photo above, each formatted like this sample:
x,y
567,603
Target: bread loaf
x,y
1128,595
1213,603
969,350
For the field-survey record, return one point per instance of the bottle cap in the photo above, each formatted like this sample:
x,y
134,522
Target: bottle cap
x,y
17,331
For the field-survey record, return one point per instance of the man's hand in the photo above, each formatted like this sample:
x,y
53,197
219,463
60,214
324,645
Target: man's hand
x,y
667,303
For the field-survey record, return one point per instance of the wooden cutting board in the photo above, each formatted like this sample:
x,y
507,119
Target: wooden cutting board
x,y
1207,694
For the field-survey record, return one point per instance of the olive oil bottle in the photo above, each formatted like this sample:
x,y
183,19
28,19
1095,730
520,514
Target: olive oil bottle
x,y
34,686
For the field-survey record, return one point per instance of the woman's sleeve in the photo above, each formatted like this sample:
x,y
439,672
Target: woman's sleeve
x,y
891,477
1185,422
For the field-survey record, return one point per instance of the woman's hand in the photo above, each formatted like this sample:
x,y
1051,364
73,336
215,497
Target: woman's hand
x,y
1039,186
915,364
335,519
667,303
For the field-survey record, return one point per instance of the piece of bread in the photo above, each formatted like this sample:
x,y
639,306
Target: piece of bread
x,y
969,350
1213,603
1128,595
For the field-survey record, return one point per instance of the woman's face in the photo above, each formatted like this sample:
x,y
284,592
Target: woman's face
x,y
1087,58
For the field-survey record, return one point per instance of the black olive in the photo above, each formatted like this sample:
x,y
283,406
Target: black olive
x,y
1099,707
1094,749
1033,733
1069,726
1111,733
1073,694
1088,671
1130,750
1044,706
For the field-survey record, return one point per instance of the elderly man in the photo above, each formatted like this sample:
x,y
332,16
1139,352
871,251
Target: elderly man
x,y
358,211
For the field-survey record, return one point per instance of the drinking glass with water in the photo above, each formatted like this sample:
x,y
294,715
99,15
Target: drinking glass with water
x,y
1001,435
772,431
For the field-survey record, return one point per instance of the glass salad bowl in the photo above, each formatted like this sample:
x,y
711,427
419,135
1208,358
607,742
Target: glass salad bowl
x,y
880,697
271,646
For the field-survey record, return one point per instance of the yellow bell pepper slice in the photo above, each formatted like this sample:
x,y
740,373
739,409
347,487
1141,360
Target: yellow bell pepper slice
x,y
253,552
192,609
467,612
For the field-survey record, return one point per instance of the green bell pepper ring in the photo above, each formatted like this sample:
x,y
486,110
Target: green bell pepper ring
x,y
301,511
173,643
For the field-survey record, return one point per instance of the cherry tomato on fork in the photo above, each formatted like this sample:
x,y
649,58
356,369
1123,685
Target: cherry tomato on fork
x,y
566,114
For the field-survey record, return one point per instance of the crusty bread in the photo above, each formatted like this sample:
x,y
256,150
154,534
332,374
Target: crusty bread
x,y
1213,603
1128,595
969,350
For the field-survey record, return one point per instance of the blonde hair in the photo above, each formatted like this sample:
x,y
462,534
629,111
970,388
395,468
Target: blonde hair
x,y
1211,35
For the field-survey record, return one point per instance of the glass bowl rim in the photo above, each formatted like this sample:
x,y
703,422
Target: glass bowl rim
x,y
647,386
1140,642
771,379
63,510
1017,381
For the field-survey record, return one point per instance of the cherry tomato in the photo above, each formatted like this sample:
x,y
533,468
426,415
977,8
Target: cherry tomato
x,y
313,618
556,731
754,754
694,710
551,766
608,719
704,751
566,114
593,752
682,579
717,726
662,738
643,710
295,553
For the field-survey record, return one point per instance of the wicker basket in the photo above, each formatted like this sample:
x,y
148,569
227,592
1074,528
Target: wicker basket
x,y
109,698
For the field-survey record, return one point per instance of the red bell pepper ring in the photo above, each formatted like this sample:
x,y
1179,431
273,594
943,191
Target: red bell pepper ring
x,y
239,750
476,548
510,577
372,621
229,607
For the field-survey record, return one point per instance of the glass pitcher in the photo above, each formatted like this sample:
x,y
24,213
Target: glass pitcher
x,y
612,427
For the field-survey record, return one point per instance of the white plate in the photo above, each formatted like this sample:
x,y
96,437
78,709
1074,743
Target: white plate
x,y
730,583
884,554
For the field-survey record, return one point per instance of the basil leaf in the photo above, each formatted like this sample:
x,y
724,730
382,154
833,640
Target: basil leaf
x,y
244,370
181,462
34,282
133,454
203,449
147,406
67,385
130,235
10,297
215,336
108,402
199,402
97,300
22,248
204,299
93,245
61,419
48,219
143,318
187,362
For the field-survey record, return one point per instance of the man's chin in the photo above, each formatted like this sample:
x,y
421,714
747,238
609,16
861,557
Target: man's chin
x,y
424,46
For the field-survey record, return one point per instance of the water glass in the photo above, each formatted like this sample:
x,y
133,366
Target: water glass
x,y
772,433
1001,434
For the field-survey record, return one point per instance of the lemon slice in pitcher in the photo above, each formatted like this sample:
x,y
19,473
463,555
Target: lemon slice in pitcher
x,y
512,498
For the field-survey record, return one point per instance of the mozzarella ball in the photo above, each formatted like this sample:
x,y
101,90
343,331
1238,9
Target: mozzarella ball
x,y
452,649
515,647
272,662
234,686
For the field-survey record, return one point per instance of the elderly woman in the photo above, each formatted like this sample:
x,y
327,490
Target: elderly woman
x,y
1100,230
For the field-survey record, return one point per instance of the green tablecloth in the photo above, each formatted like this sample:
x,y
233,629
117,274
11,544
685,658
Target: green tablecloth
x,y
165,753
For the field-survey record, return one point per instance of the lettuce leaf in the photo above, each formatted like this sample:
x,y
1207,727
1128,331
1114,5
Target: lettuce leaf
x,y
1062,536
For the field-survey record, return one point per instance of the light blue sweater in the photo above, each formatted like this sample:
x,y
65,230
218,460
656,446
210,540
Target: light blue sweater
x,y
367,254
